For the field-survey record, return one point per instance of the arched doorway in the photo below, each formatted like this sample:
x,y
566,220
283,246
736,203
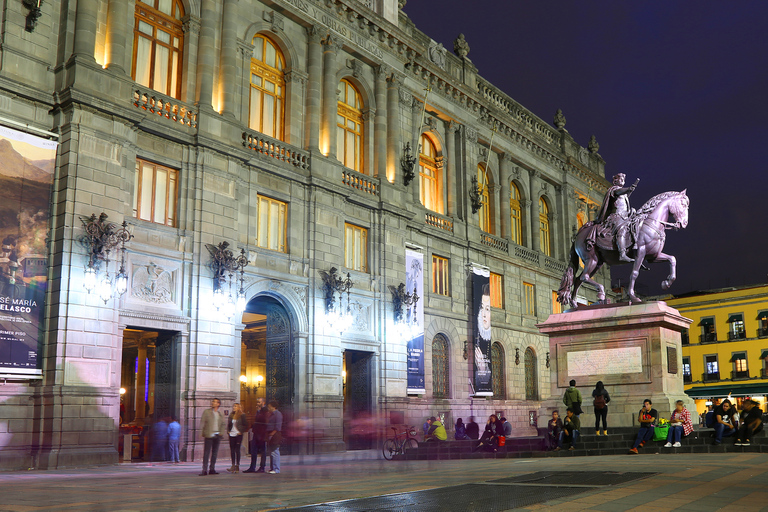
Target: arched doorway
x,y
267,360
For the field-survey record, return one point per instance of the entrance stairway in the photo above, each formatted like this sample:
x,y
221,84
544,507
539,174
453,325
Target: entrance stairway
x,y
617,442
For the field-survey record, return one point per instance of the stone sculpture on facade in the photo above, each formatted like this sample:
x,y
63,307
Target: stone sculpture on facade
x,y
460,46
619,233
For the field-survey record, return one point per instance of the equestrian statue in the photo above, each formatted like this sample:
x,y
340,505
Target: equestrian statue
x,y
620,235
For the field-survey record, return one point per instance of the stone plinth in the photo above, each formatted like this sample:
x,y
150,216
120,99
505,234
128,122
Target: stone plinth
x,y
635,350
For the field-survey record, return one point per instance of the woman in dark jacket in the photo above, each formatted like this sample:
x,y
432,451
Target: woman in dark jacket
x,y
237,425
461,431
493,429
601,406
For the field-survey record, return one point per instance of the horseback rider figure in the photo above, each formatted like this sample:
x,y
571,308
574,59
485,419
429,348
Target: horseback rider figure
x,y
614,215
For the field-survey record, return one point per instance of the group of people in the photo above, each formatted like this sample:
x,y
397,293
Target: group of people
x,y
497,431
267,436
568,429
727,421
164,436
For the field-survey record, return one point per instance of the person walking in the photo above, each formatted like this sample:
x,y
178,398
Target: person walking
x,y
259,444
274,437
236,425
572,398
211,426
600,399
174,434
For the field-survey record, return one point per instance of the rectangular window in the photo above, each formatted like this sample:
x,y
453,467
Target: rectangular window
x,y
440,276
355,247
740,365
712,368
272,224
556,306
154,193
687,377
737,331
497,291
529,295
708,333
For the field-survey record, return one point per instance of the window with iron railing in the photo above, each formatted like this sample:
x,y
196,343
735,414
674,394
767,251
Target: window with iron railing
x,y
712,369
684,338
687,377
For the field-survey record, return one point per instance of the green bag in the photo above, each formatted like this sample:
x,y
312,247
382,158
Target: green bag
x,y
660,433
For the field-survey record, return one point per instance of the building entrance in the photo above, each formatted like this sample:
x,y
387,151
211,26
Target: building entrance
x,y
359,424
148,393
267,362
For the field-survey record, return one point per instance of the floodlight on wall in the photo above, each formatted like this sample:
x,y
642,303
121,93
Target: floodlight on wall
x,y
101,238
228,279
337,316
404,306
34,14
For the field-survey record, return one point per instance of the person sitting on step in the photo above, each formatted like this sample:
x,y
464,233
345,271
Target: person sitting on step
x,y
647,417
751,422
725,421
680,425
570,432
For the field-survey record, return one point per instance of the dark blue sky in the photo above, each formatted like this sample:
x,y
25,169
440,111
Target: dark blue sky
x,y
675,92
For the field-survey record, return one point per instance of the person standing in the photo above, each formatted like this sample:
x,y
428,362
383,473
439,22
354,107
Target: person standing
x,y
211,426
174,434
473,429
600,398
236,425
274,437
572,398
647,417
259,444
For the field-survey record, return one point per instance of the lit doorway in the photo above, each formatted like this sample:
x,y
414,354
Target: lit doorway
x,y
148,393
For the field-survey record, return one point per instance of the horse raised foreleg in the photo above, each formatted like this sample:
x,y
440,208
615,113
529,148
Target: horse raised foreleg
x,y
590,268
639,257
672,269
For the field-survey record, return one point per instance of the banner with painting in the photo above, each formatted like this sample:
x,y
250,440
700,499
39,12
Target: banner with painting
x,y
26,177
413,317
481,308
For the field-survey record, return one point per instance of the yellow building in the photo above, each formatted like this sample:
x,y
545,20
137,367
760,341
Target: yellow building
x,y
725,351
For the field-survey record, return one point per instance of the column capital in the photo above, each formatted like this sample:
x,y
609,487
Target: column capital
x,y
294,75
190,25
331,43
395,79
382,71
314,33
453,126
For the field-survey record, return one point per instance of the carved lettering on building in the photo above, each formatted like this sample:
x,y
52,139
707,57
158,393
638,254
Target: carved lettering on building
x,y
608,361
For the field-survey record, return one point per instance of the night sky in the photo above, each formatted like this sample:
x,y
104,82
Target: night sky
x,y
675,92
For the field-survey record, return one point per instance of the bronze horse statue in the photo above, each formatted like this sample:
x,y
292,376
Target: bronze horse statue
x,y
648,226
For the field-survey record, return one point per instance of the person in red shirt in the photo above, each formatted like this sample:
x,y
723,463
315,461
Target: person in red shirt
x,y
679,425
647,418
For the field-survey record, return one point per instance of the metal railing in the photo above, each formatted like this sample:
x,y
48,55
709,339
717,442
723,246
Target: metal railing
x,y
710,377
764,373
277,149
743,374
710,337
165,106
762,333
739,335
687,378
685,339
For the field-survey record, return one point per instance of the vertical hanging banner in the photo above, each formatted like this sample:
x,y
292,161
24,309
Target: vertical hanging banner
x,y
481,308
414,318
26,177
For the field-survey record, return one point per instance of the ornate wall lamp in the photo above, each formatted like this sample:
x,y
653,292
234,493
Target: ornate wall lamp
x,y
407,164
476,191
517,356
102,237
253,388
548,363
336,315
225,266
404,306
34,13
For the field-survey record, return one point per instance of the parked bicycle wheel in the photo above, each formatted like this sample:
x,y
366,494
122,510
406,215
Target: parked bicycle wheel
x,y
389,449
410,444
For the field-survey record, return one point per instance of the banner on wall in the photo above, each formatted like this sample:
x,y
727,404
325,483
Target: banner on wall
x,y
481,308
414,317
26,177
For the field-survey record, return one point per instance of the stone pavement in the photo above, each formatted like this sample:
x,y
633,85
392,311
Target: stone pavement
x,y
700,482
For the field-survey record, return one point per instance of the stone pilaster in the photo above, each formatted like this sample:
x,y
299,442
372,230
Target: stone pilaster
x,y
393,127
206,55
314,87
535,189
228,68
450,166
117,25
380,122
331,46
85,29
505,175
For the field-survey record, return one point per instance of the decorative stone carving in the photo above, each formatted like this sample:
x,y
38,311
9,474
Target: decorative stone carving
x,y
559,119
313,33
152,283
274,284
401,4
301,292
361,317
395,80
470,133
453,127
331,43
461,47
437,54
593,146
356,66
405,98
583,156
275,19
432,122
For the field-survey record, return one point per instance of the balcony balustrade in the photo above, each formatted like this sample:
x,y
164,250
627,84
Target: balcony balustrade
x,y
439,221
277,149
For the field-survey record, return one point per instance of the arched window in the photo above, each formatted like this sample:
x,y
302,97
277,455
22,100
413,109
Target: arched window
x,y
516,224
349,123
440,366
497,371
531,375
267,102
430,176
158,43
486,219
544,241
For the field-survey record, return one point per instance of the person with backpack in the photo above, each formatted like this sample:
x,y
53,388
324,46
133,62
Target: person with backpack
x,y
572,398
600,398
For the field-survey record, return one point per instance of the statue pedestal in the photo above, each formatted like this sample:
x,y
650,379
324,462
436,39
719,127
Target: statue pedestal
x,y
635,350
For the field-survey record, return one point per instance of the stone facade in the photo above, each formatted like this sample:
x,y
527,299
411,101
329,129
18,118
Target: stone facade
x,y
72,76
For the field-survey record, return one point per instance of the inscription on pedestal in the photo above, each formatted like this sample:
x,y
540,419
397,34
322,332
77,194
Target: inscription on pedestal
x,y
605,361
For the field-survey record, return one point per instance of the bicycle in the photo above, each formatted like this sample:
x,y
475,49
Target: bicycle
x,y
401,443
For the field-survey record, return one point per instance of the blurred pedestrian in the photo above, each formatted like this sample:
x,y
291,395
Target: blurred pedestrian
x,y
461,431
259,444
174,434
237,424
473,429
274,437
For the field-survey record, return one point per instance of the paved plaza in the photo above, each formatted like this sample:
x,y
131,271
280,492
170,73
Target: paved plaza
x,y
695,482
